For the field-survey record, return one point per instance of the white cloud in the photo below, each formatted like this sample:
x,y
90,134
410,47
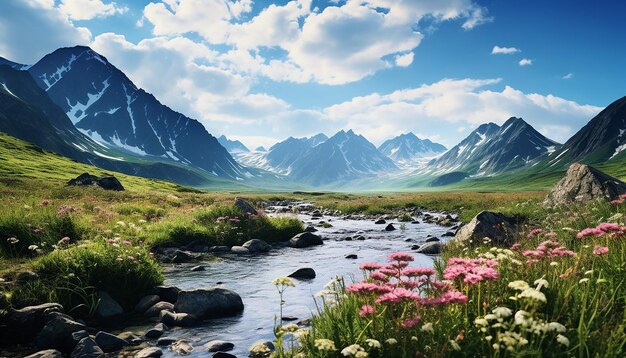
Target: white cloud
x,y
465,103
404,60
342,43
568,76
504,50
32,28
525,62
89,9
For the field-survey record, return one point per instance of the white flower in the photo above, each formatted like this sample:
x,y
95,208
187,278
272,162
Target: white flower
x,y
518,285
289,328
562,340
325,345
541,283
583,280
601,280
391,341
502,312
557,327
554,263
428,327
533,294
481,322
372,343
352,350
522,318
301,333
361,354
259,348
455,345
587,273
284,281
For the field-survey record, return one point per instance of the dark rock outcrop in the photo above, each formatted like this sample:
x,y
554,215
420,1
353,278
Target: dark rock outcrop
x,y
110,343
306,273
57,334
106,183
209,303
244,206
150,352
219,346
495,226
257,246
583,183
87,348
305,239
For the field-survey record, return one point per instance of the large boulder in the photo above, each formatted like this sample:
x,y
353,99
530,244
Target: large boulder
x,y
156,309
24,323
107,306
87,348
255,246
305,273
209,303
109,342
495,226
430,248
57,334
219,346
583,183
244,206
147,302
106,183
305,239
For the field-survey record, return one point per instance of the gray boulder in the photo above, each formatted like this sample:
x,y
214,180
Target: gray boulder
x,y
305,239
109,342
219,346
87,348
390,227
583,183
180,256
498,227
256,246
107,306
244,206
48,353
156,309
430,248
145,303
239,250
209,303
57,334
150,352
177,319
167,293
306,273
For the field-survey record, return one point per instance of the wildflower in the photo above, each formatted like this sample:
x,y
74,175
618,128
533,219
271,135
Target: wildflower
x,y
533,294
554,263
301,333
361,355
45,202
583,280
534,232
417,272
13,240
325,345
556,327
372,343
541,283
502,312
518,285
589,232
400,256
259,349
366,288
428,327
289,328
33,247
414,339
367,310
600,250
352,350
562,340
455,345
601,280
391,341
411,322
516,246
587,273
283,281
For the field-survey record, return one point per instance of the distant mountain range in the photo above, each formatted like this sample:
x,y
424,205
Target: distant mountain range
x,y
491,149
408,147
232,146
77,104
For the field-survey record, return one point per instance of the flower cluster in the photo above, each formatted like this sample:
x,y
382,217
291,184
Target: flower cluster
x,y
548,250
619,200
471,271
603,229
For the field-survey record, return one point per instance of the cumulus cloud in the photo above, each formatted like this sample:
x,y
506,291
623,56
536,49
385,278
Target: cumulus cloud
x,y
29,29
89,9
497,50
525,62
339,44
463,103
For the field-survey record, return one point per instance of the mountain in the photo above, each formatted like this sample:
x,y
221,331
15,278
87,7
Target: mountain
x,y
15,65
232,146
602,139
342,157
261,149
492,149
27,113
105,105
408,147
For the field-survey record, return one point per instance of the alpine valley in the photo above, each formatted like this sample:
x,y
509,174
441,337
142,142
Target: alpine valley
x,y
77,104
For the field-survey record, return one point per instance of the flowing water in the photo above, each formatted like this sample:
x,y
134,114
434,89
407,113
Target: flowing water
x,y
251,277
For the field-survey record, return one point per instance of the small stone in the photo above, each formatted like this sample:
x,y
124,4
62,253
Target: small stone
x,y
165,341
155,310
219,346
432,239
289,318
390,227
150,352
217,249
305,239
223,355
87,348
182,347
177,319
131,338
156,331
256,246
380,221
304,273
239,250
145,303
109,342
430,248
107,306
352,256
167,293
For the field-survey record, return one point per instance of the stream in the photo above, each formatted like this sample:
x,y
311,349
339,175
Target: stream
x,y
251,277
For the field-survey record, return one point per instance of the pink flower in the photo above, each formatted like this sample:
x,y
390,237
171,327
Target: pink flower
x,y
589,232
534,232
516,246
600,250
400,256
45,202
379,276
617,201
411,322
367,288
417,272
606,227
370,266
367,310
471,271
398,295
623,196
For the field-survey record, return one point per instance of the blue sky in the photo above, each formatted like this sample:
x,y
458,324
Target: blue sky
x,y
260,71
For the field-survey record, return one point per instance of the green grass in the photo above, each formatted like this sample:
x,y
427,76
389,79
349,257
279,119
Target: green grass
x,y
583,315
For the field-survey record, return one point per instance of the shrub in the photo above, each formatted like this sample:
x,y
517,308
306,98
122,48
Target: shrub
x,y
124,271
